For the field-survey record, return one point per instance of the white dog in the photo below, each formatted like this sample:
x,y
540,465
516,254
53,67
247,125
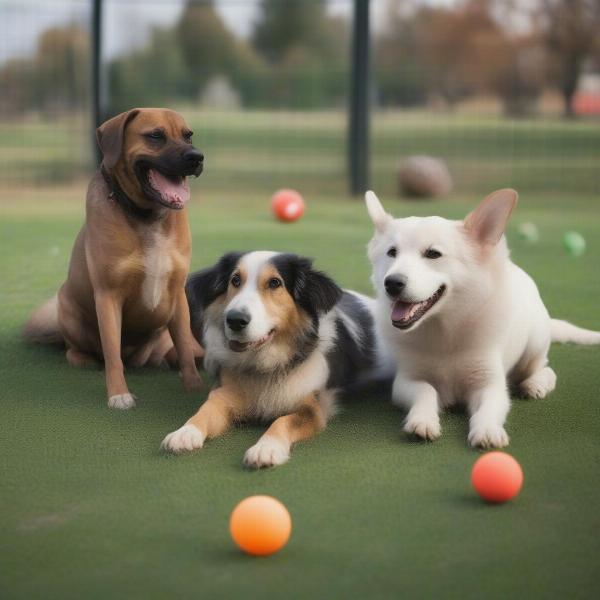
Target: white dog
x,y
462,318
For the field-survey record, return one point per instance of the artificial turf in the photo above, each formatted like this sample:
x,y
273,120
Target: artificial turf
x,y
92,509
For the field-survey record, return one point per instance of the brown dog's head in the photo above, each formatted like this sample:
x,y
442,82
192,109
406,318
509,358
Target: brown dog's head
x,y
149,152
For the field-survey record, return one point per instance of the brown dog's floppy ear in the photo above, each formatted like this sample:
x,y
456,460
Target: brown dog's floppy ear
x,y
110,137
486,224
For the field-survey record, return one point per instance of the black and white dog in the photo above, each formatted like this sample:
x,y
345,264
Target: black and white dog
x,y
281,338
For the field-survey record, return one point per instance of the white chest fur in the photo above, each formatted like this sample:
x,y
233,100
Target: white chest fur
x,y
157,268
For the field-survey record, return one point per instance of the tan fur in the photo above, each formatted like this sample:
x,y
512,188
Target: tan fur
x,y
124,295
280,304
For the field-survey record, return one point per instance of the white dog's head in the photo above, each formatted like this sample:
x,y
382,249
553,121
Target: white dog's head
x,y
419,264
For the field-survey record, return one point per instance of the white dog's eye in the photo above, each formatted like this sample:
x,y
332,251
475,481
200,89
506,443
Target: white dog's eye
x,y
392,252
274,283
236,280
431,253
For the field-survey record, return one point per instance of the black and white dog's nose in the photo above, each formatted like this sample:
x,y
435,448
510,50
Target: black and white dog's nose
x,y
237,319
394,284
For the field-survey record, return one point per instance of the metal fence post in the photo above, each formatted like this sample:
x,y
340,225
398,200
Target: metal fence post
x,y
96,68
358,138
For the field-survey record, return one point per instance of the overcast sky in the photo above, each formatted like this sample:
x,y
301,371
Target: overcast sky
x,y
127,22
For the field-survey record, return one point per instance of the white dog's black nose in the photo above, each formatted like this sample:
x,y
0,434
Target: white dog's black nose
x,y
237,319
394,284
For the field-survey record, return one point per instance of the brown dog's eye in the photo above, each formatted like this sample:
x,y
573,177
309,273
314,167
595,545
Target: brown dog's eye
x,y
432,254
274,283
157,134
236,281
392,252
187,136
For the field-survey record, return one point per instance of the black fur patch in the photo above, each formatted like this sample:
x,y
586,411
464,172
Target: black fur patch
x,y
204,287
350,357
312,290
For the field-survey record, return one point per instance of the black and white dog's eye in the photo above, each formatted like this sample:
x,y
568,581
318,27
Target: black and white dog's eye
x,y
392,252
274,283
236,281
431,253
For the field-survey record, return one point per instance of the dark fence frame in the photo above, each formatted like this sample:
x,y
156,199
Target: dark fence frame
x,y
358,124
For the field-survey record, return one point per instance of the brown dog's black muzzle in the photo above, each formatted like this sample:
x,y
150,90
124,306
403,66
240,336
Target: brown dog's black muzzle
x,y
175,161
195,159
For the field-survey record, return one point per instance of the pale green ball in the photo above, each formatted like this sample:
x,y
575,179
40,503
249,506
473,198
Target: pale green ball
x,y
574,243
529,232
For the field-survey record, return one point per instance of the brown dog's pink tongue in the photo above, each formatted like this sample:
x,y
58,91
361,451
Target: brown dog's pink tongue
x,y
401,310
175,193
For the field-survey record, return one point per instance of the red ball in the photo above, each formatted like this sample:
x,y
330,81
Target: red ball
x,y
287,205
497,477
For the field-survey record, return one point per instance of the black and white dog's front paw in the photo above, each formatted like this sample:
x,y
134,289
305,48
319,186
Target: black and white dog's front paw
x,y
185,439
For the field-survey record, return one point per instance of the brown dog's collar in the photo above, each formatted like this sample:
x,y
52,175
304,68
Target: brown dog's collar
x,y
124,201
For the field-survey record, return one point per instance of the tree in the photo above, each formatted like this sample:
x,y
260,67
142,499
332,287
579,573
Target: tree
x,y
208,46
399,68
462,47
155,74
521,77
283,25
56,76
307,50
446,51
570,29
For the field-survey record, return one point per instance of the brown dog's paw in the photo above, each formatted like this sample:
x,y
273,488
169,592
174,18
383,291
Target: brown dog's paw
x,y
192,383
122,401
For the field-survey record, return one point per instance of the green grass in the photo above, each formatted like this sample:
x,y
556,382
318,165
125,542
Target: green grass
x,y
91,509
266,150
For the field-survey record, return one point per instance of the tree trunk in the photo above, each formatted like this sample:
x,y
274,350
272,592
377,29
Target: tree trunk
x,y
571,72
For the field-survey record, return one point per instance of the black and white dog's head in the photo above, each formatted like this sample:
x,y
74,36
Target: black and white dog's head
x,y
259,311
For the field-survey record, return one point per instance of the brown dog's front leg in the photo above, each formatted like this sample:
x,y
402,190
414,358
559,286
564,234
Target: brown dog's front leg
x,y
273,448
108,311
180,330
213,418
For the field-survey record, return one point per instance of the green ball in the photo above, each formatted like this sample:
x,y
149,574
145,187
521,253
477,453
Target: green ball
x,y
574,243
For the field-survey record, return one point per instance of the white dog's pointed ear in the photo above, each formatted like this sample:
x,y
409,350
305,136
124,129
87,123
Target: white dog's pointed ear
x,y
488,221
376,211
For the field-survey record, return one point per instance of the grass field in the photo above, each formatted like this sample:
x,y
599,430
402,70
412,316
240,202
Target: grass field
x,y
265,150
91,509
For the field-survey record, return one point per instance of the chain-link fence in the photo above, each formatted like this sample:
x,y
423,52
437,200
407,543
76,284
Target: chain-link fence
x,y
265,85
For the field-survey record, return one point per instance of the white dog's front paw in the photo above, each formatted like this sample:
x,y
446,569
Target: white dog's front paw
x,y
122,401
539,385
185,439
426,427
267,452
490,436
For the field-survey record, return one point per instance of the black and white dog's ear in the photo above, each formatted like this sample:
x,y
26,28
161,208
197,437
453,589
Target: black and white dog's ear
x,y
204,287
312,290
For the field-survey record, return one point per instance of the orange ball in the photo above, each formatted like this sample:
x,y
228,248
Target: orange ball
x,y
497,477
260,525
287,205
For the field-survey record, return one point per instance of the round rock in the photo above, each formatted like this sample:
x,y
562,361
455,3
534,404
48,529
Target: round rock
x,y
424,177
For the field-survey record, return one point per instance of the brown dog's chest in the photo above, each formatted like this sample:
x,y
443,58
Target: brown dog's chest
x,y
150,277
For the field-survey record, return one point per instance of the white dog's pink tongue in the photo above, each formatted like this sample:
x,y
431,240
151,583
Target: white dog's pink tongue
x,y
173,192
404,310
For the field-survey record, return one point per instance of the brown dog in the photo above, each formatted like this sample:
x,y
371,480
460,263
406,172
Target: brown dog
x,y
124,297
